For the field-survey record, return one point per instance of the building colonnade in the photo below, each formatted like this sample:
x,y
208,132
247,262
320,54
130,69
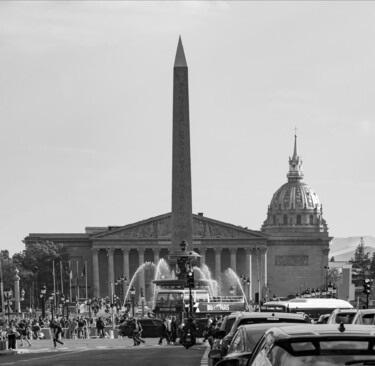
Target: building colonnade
x,y
252,265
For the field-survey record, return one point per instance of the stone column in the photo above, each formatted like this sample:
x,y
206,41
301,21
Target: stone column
x,y
17,304
249,273
233,252
217,264
156,255
125,270
202,253
95,271
257,255
141,256
111,272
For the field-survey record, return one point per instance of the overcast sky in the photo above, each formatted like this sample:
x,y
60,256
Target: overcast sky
x,y
86,110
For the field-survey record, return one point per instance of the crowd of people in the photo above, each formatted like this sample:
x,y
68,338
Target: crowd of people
x,y
26,331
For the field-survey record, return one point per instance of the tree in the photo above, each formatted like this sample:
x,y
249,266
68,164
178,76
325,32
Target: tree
x,y
361,264
36,268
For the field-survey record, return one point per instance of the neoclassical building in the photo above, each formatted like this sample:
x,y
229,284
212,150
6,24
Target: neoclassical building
x,y
111,252
298,240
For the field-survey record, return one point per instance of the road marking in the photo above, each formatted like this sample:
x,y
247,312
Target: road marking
x,y
204,360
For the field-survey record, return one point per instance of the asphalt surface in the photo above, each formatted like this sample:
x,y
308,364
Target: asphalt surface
x,y
105,351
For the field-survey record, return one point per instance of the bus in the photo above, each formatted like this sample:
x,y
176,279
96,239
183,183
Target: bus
x,y
177,301
313,307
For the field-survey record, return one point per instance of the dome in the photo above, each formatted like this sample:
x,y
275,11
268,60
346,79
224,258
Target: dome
x,y
295,207
295,196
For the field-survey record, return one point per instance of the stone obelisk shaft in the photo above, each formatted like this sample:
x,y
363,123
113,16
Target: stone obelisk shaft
x,y
182,218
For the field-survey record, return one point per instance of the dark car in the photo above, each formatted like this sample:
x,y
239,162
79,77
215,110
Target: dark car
x,y
151,327
224,329
243,343
315,344
260,317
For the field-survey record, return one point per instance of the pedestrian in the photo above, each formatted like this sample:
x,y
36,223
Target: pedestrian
x,y
163,331
81,328
207,328
137,332
23,330
12,334
56,331
174,329
100,327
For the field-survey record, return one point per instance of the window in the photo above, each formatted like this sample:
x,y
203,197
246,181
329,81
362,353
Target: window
x,y
285,220
299,221
311,220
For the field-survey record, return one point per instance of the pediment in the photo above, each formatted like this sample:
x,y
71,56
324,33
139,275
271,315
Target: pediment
x,y
159,227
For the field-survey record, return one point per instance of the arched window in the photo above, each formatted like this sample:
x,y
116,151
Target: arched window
x,y
311,220
299,220
285,220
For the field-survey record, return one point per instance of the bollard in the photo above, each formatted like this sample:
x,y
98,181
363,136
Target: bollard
x,y
111,334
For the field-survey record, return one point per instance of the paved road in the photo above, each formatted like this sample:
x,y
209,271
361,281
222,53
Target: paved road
x,y
106,352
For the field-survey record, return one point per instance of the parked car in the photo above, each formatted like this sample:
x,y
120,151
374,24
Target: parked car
x,y
364,316
224,329
260,317
315,344
151,327
243,343
345,316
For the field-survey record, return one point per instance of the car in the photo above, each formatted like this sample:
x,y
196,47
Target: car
x,y
224,329
364,316
260,317
151,327
345,316
243,343
315,344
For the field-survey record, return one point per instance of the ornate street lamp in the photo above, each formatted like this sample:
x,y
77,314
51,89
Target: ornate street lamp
x,y
143,303
43,291
132,297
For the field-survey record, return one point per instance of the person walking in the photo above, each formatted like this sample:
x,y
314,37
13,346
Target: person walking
x,y
56,331
174,329
163,332
23,330
137,332
100,327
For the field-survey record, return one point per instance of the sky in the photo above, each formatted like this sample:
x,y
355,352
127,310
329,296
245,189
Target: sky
x,y
86,110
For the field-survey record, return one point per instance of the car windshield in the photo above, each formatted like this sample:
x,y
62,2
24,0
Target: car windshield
x,y
228,324
344,318
322,353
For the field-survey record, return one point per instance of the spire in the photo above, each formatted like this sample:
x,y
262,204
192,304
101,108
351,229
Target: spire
x,y
295,145
295,173
180,60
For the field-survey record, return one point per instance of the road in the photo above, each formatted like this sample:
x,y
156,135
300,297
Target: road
x,y
107,352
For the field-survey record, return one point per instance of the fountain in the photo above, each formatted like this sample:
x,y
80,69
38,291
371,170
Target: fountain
x,y
234,279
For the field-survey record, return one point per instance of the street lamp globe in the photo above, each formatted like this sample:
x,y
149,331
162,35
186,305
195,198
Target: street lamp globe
x,y
43,290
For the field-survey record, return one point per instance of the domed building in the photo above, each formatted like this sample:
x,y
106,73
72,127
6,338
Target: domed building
x,y
298,243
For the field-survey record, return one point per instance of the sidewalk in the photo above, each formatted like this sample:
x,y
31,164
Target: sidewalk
x,y
46,345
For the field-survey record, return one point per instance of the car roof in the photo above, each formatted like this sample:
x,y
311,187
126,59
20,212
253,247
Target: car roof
x,y
347,311
366,311
270,314
263,326
319,330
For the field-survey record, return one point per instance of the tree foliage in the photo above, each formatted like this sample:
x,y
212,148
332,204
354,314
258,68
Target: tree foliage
x,y
362,264
35,265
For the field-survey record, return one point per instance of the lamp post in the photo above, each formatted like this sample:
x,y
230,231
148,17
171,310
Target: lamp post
x,y
122,281
132,297
62,303
334,291
143,303
43,291
8,297
50,298
88,302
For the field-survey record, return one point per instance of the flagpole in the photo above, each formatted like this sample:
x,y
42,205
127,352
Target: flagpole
x,y
77,287
70,281
54,285
61,275
86,277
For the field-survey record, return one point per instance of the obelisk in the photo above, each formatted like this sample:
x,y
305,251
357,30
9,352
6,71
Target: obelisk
x,y
182,217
